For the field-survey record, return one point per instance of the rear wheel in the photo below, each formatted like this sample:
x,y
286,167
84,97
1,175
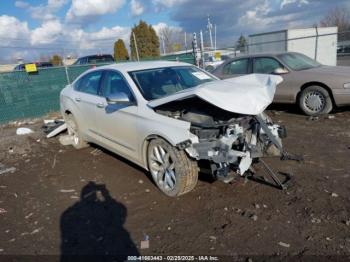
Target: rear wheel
x,y
73,130
172,170
315,100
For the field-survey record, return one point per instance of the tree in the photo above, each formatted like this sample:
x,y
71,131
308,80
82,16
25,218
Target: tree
x,y
120,52
56,60
338,17
241,43
172,38
147,41
155,42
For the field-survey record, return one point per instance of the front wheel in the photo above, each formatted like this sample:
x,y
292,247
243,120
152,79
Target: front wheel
x,y
172,170
315,100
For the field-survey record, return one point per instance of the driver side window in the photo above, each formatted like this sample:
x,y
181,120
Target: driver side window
x,y
89,83
265,65
114,83
236,67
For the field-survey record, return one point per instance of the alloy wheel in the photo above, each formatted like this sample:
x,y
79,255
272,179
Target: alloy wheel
x,y
162,168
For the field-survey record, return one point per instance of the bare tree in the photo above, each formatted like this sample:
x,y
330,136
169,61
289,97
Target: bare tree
x,y
338,17
172,39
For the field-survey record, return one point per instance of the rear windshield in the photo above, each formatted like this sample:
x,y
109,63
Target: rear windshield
x,y
100,59
161,82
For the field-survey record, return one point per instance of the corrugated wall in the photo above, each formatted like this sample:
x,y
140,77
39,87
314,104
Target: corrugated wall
x,y
268,42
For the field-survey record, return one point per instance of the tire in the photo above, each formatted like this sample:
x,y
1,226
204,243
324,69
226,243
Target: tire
x,y
73,130
315,100
172,170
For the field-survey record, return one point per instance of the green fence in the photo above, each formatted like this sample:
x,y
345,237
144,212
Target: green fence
x,y
24,95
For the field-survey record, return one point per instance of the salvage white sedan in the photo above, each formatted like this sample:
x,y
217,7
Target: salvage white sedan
x,y
166,116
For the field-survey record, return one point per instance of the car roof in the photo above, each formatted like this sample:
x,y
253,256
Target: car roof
x,y
95,56
262,55
135,66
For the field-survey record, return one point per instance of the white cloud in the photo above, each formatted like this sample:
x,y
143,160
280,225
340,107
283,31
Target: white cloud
x,y
47,33
101,40
136,8
161,26
43,11
21,4
257,16
11,30
289,2
167,3
83,10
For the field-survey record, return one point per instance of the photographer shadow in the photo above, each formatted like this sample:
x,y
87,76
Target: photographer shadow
x,y
92,229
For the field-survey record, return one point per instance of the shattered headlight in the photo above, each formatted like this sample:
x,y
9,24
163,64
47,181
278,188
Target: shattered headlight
x,y
347,85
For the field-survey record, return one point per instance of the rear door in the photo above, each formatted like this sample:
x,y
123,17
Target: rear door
x,y
235,68
117,124
85,98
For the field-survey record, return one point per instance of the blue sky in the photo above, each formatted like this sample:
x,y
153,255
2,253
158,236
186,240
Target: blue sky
x,y
31,29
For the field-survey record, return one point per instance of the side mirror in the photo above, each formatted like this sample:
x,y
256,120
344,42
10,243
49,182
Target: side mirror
x,y
280,71
118,98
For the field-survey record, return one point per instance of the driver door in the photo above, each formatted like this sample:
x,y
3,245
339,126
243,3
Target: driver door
x,y
117,124
268,65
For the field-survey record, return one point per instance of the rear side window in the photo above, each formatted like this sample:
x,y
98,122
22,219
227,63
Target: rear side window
x,y
236,67
265,65
89,83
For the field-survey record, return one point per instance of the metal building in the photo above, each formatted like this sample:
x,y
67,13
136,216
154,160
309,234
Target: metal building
x,y
318,43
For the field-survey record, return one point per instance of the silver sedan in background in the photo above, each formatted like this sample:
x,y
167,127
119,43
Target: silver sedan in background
x,y
315,88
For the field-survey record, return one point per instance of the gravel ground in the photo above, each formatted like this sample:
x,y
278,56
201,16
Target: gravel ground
x,y
42,212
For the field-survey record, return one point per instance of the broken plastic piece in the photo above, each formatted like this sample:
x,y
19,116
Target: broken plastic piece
x,y
23,131
57,130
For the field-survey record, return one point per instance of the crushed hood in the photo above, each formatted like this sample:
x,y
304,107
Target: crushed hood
x,y
249,95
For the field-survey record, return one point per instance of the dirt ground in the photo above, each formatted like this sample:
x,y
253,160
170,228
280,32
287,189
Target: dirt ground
x,y
42,212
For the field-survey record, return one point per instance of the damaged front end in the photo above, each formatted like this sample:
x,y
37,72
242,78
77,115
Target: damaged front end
x,y
228,141
228,127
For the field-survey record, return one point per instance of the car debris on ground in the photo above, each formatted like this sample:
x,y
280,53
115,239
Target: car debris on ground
x,y
53,127
282,244
4,170
23,131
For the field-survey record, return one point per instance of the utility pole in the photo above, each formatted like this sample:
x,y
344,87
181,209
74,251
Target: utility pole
x,y
163,43
210,27
137,51
195,48
215,37
186,42
202,48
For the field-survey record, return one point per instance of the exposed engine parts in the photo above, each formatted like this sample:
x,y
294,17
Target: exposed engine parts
x,y
229,141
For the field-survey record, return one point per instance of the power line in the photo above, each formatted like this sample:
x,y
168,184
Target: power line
x,y
65,41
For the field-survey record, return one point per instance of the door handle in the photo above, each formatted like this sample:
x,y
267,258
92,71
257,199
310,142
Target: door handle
x,y
100,105
78,99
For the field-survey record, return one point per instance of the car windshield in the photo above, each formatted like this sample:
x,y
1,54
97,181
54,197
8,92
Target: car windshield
x,y
161,82
298,62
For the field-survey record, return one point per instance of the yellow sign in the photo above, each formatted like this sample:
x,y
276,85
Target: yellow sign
x,y
218,55
30,68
